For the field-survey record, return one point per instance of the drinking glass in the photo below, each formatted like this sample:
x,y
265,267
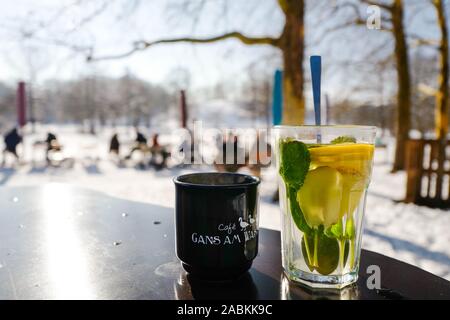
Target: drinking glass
x,y
323,174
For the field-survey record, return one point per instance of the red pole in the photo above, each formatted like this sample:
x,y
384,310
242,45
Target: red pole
x,y
183,108
21,104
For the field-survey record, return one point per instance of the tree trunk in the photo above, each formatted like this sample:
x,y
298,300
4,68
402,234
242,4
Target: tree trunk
x,y
403,121
442,94
443,80
292,46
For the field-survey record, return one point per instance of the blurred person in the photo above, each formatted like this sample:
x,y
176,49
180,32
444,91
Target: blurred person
x,y
140,143
53,146
114,145
140,138
159,153
12,139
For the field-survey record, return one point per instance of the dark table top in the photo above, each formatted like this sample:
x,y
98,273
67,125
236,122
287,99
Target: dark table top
x,y
59,242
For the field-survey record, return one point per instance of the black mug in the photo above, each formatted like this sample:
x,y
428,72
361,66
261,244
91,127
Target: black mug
x,y
216,221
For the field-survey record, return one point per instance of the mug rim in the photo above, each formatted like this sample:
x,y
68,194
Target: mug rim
x,y
255,180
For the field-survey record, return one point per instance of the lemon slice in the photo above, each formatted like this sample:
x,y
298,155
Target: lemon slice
x,y
345,149
348,158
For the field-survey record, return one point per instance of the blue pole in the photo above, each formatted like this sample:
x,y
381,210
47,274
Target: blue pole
x,y
277,103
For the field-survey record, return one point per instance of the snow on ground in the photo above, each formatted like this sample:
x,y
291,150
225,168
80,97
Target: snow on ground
x,y
417,235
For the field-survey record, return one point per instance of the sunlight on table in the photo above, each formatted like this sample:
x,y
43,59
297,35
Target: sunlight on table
x,y
67,264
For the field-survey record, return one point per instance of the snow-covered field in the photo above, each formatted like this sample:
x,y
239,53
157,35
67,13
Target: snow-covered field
x,y
417,235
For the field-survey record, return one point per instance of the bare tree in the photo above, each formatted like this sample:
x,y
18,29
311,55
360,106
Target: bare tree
x,y
393,21
403,123
99,99
290,42
442,95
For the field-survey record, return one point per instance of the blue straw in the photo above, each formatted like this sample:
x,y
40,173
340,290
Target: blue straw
x,y
316,70
277,105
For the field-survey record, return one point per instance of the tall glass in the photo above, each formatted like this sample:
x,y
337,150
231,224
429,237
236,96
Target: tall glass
x,y
323,174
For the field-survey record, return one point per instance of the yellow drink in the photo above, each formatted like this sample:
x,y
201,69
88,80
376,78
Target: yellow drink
x,y
322,197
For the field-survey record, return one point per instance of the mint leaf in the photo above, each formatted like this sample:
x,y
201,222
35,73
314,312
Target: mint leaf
x,y
335,231
294,165
294,162
344,139
327,254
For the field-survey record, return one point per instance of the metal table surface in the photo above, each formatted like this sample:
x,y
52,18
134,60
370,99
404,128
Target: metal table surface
x,y
62,242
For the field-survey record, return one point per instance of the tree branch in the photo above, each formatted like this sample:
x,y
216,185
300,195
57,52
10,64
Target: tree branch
x,y
357,22
142,45
375,3
426,42
420,41
358,19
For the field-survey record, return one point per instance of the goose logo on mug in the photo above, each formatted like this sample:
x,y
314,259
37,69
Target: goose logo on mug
x,y
216,219
245,232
